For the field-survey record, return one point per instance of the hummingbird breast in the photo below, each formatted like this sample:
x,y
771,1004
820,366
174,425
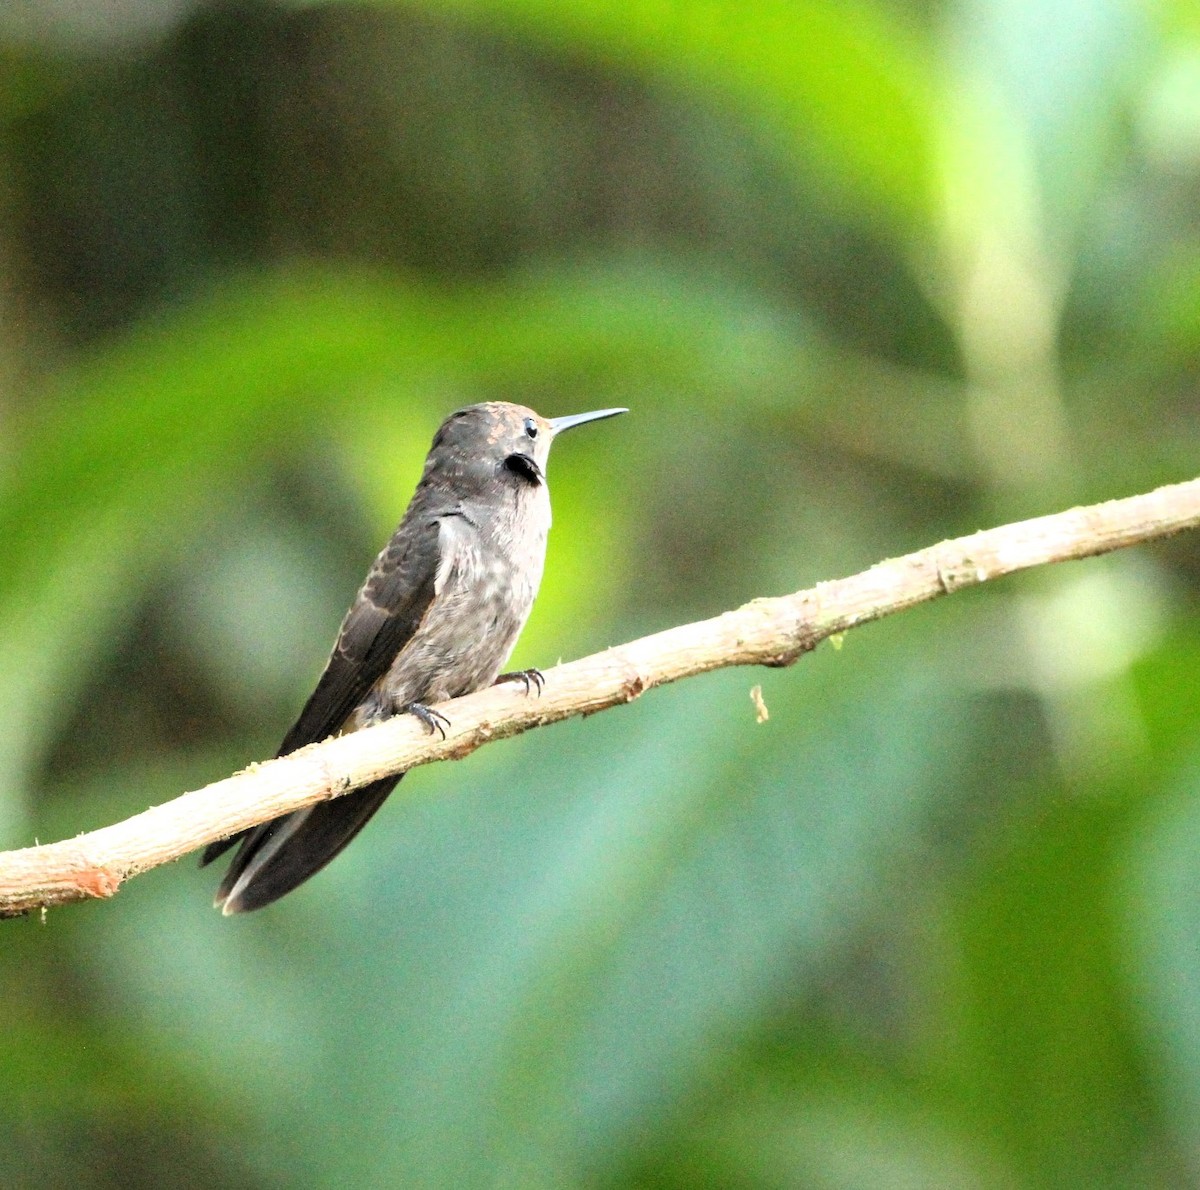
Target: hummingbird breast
x,y
488,575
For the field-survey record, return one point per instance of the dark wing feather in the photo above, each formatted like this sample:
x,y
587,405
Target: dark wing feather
x,y
383,618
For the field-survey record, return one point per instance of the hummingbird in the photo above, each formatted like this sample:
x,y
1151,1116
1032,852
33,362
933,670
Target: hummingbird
x,y
437,617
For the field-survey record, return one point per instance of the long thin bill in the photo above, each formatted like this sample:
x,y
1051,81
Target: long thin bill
x,y
558,424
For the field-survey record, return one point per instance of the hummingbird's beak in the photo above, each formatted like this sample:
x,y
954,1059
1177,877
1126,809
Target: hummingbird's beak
x,y
558,424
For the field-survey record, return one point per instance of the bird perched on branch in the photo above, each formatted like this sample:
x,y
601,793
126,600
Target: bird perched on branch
x,y
437,617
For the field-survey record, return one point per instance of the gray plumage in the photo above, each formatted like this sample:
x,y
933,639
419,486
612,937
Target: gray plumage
x,y
437,617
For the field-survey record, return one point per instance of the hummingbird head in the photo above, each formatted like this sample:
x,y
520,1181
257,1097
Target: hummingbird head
x,y
497,440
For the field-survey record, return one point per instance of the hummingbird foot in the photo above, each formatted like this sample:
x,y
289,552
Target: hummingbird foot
x,y
433,720
533,678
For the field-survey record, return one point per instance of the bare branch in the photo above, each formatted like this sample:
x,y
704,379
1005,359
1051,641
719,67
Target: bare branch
x,y
774,631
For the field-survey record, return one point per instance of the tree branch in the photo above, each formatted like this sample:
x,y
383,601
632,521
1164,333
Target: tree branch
x,y
773,632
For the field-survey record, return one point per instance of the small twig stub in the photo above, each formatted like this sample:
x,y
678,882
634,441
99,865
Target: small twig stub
x,y
761,714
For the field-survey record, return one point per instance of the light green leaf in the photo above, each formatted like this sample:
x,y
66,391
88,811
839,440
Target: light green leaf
x,y
843,86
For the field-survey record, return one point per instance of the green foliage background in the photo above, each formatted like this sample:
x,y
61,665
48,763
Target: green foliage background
x,y
868,275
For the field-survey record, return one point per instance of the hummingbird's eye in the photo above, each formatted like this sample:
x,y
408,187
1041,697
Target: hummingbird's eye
x,y
531,428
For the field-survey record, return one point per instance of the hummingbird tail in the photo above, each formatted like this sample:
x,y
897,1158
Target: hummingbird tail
x,y
280,855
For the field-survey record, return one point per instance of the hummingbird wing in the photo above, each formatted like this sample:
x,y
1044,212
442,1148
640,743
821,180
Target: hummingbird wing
x,y
387,612
384,617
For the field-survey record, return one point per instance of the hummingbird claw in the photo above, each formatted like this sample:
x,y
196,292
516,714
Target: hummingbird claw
x,y
433,720
533,678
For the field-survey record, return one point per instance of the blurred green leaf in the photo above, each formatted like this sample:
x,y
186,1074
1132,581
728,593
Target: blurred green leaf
x,y
1053,75
841,1129
1169,316
1051,1050
850,89
1162,923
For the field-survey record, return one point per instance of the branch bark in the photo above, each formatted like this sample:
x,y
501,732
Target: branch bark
x,y
774,631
